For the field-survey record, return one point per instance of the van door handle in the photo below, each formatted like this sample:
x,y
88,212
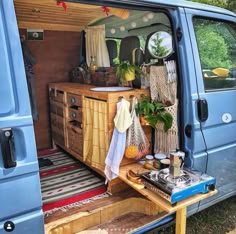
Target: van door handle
x,y
7,147
202,108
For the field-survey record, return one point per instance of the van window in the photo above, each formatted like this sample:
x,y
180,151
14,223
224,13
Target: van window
x,y
216,42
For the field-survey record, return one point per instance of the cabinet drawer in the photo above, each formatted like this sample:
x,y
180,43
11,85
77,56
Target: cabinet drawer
x,y
57,121
75,114
58,135
75,139
57,108
74,100
56,95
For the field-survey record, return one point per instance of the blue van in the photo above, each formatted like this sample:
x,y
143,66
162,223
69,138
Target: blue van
x,y
204,50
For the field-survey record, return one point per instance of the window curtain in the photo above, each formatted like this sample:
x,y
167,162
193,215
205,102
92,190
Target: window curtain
x,y
96,46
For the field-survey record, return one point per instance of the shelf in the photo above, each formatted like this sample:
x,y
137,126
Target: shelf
x,y
164,204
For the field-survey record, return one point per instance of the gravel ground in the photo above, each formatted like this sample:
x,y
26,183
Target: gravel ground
x,y
217,219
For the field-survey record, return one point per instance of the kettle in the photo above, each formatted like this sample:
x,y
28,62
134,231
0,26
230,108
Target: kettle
x,y
176,163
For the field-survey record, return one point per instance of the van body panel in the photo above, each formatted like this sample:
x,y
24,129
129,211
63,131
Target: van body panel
x,y
13,65
20,196
219,136
195,144
30,223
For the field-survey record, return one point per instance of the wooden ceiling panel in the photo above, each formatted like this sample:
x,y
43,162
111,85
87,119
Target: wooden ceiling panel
x,y
45,14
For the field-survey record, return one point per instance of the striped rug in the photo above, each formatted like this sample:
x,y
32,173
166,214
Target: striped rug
x,y
68,181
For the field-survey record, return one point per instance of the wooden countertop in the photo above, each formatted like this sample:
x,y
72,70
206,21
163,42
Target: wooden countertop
x,y
164,204
83,89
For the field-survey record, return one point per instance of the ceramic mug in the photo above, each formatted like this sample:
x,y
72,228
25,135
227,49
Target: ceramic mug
x,y
165,163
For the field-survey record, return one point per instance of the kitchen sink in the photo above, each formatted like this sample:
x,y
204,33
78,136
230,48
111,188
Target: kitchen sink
x,y
111,89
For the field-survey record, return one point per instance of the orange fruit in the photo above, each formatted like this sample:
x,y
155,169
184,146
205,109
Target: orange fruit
x,y
131,151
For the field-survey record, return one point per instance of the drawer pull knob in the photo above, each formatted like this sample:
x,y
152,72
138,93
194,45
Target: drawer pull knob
x,y
72,100
73,115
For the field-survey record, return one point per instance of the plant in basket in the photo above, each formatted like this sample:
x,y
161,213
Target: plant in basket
x,y
153,112
127,71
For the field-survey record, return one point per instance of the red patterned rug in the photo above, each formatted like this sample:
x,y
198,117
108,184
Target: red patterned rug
x,y
66,182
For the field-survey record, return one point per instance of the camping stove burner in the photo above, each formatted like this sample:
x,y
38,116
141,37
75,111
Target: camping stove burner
x,y
165,177
182,180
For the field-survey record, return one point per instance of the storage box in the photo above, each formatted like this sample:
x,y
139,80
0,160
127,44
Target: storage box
x,y
106,77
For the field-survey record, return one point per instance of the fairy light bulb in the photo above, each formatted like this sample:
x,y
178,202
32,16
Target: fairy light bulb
x,y
150,15
113,31
122,28
145,19
133,24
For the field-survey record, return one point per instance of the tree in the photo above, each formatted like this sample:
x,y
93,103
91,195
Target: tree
x,y
228,4
213,48
231,5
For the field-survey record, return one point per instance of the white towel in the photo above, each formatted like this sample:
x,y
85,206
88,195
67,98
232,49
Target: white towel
x,y
122,119
118,141
115,154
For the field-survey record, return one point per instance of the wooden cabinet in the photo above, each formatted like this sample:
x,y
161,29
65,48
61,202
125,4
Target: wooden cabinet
x,y
81,117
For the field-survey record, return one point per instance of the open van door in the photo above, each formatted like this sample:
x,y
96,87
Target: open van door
x,y
213,41
20,195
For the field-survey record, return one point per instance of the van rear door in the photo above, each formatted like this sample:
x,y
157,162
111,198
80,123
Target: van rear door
x,y
213,39
20,195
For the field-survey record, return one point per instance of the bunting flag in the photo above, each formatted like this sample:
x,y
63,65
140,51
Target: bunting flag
x,y
62,3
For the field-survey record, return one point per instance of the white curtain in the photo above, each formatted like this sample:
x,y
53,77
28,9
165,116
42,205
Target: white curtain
x,y
96,46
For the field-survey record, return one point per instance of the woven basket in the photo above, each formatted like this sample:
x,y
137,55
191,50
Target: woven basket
x,y
105,78
166,141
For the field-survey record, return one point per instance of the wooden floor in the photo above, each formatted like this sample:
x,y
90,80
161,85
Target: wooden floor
x,y
93,205
125,223
119,213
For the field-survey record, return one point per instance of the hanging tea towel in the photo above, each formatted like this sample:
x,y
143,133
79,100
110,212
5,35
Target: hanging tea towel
x,y
123,118
116,150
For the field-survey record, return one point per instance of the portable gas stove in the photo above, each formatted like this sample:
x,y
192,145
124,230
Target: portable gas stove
x,y
175,189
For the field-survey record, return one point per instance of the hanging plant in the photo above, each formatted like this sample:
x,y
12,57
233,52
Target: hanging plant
x,y
154,112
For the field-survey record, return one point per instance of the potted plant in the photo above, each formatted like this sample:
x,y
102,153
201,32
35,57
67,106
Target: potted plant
x,y
126,71
154,112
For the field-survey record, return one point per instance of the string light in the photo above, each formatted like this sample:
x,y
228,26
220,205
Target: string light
x,y
133,24
122,28
150,15
113,31
145,19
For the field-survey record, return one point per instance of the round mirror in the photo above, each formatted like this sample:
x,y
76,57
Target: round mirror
x,y
160,45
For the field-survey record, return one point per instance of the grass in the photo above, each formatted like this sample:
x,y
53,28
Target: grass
x,y
217,219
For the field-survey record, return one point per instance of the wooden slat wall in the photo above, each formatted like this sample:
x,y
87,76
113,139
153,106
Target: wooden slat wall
x,y
56,55
45,14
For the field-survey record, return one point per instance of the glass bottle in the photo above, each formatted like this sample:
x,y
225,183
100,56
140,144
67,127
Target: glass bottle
x,y
93,65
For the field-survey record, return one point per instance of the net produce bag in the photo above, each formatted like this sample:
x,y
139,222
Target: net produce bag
x,y
137,144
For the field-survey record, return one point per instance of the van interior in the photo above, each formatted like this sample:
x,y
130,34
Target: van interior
x,y
56,33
